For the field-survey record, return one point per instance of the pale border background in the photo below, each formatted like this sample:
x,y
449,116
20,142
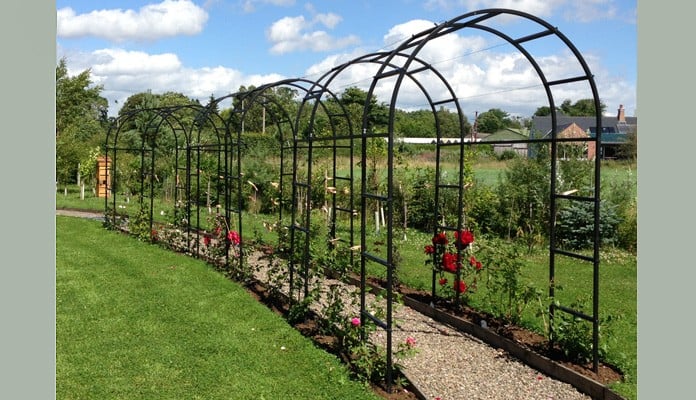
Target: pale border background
x,y
27,200
666,152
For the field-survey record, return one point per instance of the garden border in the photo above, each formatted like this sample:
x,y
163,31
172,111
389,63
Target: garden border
x,y
582,383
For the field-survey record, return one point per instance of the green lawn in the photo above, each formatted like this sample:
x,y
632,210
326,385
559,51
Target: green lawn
x,y
135,321
618,280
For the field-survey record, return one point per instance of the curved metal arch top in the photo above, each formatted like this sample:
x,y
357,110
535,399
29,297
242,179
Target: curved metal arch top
x,y
477,20
185,124
480,20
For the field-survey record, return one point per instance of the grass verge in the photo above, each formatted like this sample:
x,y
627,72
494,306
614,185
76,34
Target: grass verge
x,y
137,321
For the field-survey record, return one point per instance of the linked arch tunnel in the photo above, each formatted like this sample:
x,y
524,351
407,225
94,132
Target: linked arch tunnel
x,y
322,122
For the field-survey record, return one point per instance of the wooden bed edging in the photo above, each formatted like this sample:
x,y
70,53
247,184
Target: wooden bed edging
x,y
582,383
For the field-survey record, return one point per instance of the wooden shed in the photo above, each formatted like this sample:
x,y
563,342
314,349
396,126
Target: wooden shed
x,y
103,176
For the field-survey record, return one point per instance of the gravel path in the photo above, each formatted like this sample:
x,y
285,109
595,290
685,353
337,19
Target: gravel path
x,y
449,364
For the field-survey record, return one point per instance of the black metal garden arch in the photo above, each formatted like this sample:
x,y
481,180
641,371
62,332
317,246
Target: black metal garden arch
x,y
190,135
478,20
370,194
297,139
300,139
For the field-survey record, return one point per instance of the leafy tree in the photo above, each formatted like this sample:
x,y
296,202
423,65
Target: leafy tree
x,y
449,123
355,100
489,122
543,111
523,199
495,119
629,149
80,120
581,108
418,123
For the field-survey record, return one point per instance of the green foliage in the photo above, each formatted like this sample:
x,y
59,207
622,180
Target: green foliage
x,y
575,225
581,108
367,359
299,310
77,100
507,155
422,199
629,150
524,199
88,166
139,225
574,335
482,208
80,120
508,292
622,194
417,123
488,122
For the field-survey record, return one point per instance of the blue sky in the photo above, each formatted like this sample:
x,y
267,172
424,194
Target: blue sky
x,y
212,47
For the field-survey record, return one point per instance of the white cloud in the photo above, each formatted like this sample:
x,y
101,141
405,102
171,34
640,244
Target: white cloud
x,y
120,62
399,33
124,73
482,74
291,34
592,10
151,22
329,20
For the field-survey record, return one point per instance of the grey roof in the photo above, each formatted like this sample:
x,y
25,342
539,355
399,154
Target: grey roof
x,y
542,125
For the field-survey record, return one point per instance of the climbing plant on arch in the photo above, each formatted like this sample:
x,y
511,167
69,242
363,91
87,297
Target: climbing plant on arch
x,y
321,122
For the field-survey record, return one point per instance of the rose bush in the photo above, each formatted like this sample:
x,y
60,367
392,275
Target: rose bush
x,y
447,257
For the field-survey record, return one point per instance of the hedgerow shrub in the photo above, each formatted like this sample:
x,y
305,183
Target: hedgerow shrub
x,y
575,225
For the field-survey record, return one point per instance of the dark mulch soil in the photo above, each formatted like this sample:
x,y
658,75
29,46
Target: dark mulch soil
x,y
309,327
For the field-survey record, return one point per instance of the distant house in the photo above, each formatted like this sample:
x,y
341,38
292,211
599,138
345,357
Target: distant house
x,y
508,139
614,130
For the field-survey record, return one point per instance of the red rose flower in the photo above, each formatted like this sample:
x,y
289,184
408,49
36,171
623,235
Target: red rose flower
x,y
206,240
464,237
450,262
443,281
440,238
429,249
475,263
233,237
460,287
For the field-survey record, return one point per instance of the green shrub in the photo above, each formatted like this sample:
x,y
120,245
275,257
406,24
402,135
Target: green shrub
x,y
621,192
575,225
507,155
508,294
